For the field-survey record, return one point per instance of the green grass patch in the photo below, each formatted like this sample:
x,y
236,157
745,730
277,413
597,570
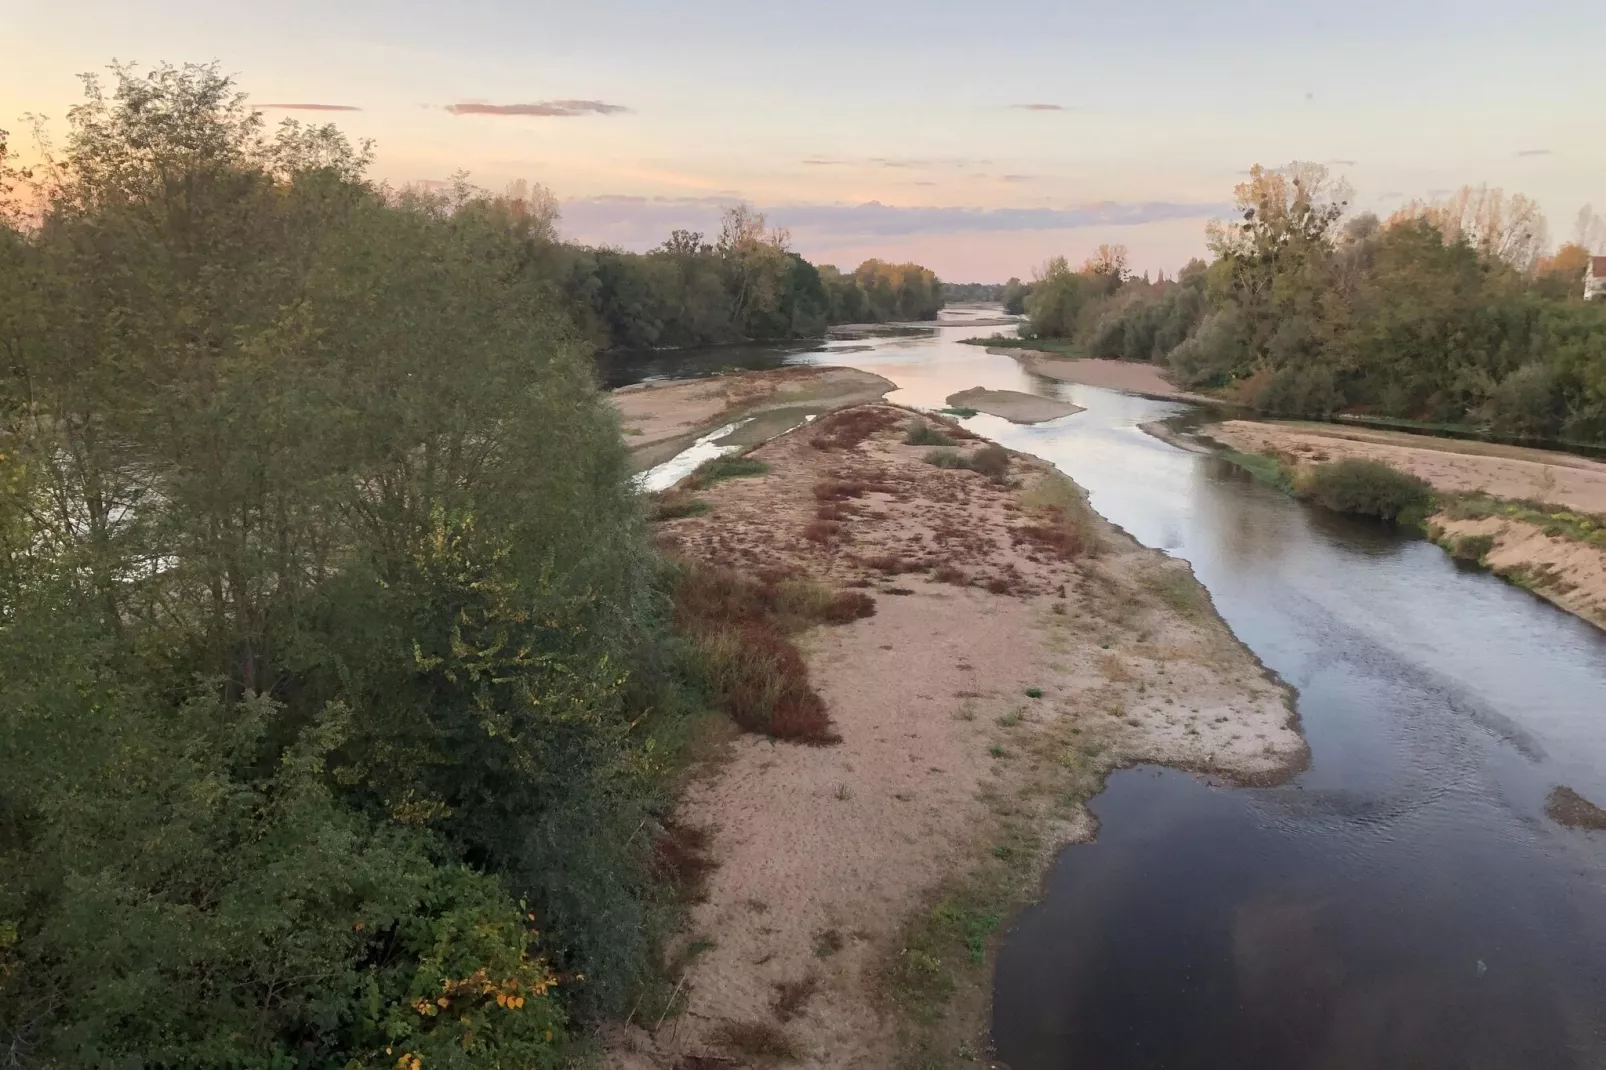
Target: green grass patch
x,y
1034,692
1556,521
959,410
1263,466
674,504
722,468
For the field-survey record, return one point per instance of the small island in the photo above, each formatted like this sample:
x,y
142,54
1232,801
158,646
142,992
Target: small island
x,y
1012,405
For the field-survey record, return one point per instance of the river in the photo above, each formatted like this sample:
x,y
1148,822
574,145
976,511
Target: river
x,y
1402,903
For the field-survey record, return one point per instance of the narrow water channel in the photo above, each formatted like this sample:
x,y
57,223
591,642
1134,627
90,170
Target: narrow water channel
x,y
1403,903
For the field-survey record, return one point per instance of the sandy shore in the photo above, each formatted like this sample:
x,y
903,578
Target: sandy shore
x,y
1131,376
1012,405
1452,466
996,685
1568,572
661,419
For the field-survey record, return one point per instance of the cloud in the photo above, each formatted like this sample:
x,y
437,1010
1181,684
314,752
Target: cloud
x,y
308,107
642,222
1341,163
1039,107
554,109
1015,178
1533,152
898,163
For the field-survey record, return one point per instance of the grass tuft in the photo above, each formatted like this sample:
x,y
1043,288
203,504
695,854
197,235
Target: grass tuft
x,y
722,468
675,504
920,433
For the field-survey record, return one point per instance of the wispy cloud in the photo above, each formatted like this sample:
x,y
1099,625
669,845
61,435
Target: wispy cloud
x,y
552,109
1533,152
898,163
1341,163
309,107
1039,107
1015,178
642,222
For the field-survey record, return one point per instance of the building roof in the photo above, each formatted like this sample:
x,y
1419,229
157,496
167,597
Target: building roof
x,y
1597,266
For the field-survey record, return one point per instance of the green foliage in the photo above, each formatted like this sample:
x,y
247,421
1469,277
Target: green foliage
x,y
316,667
722,468
1369,488
920,433
1553,519
1471,547
945,458
1264,467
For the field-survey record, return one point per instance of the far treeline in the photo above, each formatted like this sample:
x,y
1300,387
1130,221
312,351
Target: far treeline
x,y
341,688
744,285
1446,313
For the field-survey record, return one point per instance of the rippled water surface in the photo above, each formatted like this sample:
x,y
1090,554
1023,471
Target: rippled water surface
x,y
1403,903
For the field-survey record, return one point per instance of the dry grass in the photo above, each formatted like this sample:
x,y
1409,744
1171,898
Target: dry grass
x,y
792,997
681,859
762,1040
822,531
1065,526
844,430
674,504
739,627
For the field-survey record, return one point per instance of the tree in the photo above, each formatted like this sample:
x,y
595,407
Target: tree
x,y
1589,231
1510,230
1109,261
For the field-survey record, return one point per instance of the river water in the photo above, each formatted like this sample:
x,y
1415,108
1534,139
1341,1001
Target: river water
x,y
1404,902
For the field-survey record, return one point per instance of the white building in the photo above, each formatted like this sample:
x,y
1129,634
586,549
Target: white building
x,y
1595,278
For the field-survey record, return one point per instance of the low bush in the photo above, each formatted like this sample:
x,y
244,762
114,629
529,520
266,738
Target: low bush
x,y
1367,488
742,656
990,461
1471,547
675,504
846,429
723,468
1064,522
920,433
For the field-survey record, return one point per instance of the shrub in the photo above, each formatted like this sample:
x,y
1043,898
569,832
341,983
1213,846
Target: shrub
x,y
945,459
1368,488
847,428
921,433
722,468
991,461
1471,547
675,504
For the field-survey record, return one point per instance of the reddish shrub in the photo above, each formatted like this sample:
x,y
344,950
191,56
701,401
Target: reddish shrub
x,y
822,531
950,574
680,855
847,428
830,511
848,606
999,585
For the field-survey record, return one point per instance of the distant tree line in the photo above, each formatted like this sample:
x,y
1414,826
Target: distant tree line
x,y
744,285
1448,312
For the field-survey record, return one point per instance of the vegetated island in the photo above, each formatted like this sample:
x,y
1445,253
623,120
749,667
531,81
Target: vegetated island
x,y
1012,405
659,419
997,649
1534,517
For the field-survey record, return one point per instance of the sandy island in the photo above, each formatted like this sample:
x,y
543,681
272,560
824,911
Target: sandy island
x,y
662,418
1131,376
1568,572
1021,648
1012,405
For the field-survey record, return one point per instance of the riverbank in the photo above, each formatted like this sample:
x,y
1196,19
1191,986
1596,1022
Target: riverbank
x,y
1021,648
662,418
1147,380
1530,516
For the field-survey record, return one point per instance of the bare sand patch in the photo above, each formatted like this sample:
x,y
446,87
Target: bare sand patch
x,y
1012,405
1450,465
1021,648
1564,571
1131,376
662,418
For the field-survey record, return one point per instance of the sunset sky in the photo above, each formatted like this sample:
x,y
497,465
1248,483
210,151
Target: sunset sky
x,y
977,139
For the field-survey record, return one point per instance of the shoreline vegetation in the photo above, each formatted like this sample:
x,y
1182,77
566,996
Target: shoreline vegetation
x,y
1013,648
1545,529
